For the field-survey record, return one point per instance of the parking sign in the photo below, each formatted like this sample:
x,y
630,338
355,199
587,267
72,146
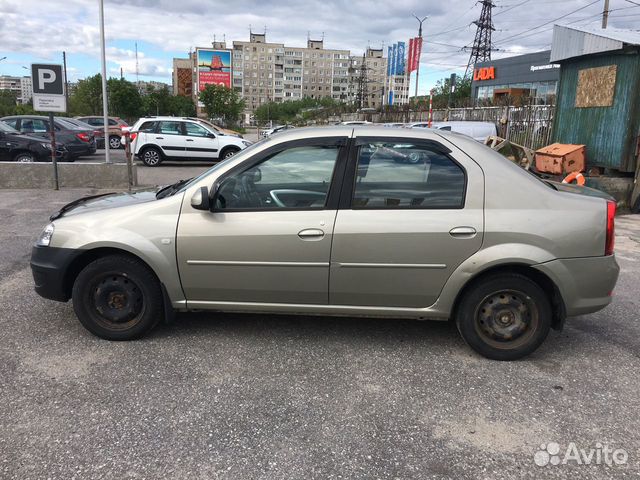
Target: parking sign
x,y
48,88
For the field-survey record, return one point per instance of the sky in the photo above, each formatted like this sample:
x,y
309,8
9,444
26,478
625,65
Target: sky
x,y
36,31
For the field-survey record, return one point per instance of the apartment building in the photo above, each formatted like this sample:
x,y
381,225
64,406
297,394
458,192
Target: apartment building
x,y
399,85
183,77
21,86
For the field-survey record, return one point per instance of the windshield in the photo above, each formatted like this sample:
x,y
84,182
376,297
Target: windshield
x,y
221,163
7,129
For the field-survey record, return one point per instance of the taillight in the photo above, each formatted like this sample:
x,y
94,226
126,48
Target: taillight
x,y
611,236
83,136
132,137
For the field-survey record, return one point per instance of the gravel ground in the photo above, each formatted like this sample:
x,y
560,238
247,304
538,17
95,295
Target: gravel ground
x,y
276,397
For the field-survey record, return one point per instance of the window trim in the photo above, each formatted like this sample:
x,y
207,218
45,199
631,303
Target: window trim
x,y
337,178
349,182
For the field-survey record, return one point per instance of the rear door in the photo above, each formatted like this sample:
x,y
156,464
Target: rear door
x,y
170,137
411,212
200,142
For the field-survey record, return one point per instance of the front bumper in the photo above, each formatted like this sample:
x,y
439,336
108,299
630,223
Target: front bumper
x,y
50,266
586,284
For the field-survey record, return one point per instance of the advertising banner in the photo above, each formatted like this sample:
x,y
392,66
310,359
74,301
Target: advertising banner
x,y
417,50
214,67
410,55
400,58
394,55
389,57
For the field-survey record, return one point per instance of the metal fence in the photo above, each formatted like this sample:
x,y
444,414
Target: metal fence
x,y
529,125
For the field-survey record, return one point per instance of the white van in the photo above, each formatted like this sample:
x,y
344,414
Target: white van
x,y
477,130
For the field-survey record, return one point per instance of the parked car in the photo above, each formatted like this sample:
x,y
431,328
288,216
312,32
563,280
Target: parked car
x,y
280,128
216,128
116,125
98,134
78,141
355,122
17,147
304,223
155,139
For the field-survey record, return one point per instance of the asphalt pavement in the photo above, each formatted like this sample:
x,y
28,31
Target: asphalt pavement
x,y
231,396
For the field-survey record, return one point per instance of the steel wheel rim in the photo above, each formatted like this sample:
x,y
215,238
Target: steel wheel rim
x,y
116,301
25,159
151,157
229,154
506,319
114,142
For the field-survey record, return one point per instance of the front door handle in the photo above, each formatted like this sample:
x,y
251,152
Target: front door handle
x,y
189,139
463,232
159,138
311,234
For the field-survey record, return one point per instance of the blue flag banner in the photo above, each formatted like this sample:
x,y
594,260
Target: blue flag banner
x,y
389,62
400,59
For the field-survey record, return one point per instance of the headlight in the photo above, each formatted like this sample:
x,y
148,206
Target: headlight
x,y
45,237
246,144
46,145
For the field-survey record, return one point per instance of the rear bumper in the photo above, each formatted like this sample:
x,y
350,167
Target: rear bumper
x,y
586,284
49,266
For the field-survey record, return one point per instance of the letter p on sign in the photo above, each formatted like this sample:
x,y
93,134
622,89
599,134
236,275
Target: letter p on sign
x,y
47,79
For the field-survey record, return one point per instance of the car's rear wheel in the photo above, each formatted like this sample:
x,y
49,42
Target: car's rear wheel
x,y
24,157
115,143
151,157
117,298
504,316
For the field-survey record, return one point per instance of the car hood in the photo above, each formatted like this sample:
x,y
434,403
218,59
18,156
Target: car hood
x,y
104,201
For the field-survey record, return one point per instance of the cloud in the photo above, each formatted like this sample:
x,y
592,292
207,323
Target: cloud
x,y
178,26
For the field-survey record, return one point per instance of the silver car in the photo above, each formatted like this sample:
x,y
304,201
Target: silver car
x,y
349,221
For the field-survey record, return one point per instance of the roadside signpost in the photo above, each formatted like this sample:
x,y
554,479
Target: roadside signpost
x,y
49,96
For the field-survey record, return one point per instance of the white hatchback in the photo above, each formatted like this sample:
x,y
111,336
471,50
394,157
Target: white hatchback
x,y
155,139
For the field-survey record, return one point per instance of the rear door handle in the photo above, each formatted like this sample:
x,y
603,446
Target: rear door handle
x,y
189,139
159,138
311,234
463,232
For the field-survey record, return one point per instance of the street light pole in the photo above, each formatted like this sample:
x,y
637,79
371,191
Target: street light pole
x,y
105,113
420,21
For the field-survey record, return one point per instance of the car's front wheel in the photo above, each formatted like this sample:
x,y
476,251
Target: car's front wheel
x,y
117,298
228,152
504,316
151,157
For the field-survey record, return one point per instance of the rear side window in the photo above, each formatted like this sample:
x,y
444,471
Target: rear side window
x,y
96,122
148,127
112,122
34,125
170,128
393,175
12,122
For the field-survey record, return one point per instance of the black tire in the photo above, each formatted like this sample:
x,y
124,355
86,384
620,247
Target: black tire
x,y
228,152
118,298
151,156
24,157
114,142
504,316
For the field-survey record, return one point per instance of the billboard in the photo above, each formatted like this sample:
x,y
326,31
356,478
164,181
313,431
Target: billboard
x,y
214,67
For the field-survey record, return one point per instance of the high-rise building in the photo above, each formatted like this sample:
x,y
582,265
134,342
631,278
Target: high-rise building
x,y
26,89
273,72
21,86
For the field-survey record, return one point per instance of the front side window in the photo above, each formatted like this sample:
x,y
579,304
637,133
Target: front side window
x,y
170,128
96,122
194,130
406,175
296,178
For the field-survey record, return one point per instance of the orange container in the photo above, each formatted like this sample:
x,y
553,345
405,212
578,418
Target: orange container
x,y
560,158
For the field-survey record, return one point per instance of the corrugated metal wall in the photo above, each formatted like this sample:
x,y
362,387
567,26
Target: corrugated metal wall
x,y
610,133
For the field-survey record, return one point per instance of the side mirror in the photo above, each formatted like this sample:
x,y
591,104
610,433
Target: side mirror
x,y
211,135
200,199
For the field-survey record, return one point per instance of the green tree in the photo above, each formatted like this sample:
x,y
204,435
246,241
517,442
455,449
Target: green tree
x,y
182,106
7,102
461,97
156,101
220,101
125,100
87,98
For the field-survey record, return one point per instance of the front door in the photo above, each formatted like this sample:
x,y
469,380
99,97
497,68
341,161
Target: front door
x,y
414,212
200,142
269,237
